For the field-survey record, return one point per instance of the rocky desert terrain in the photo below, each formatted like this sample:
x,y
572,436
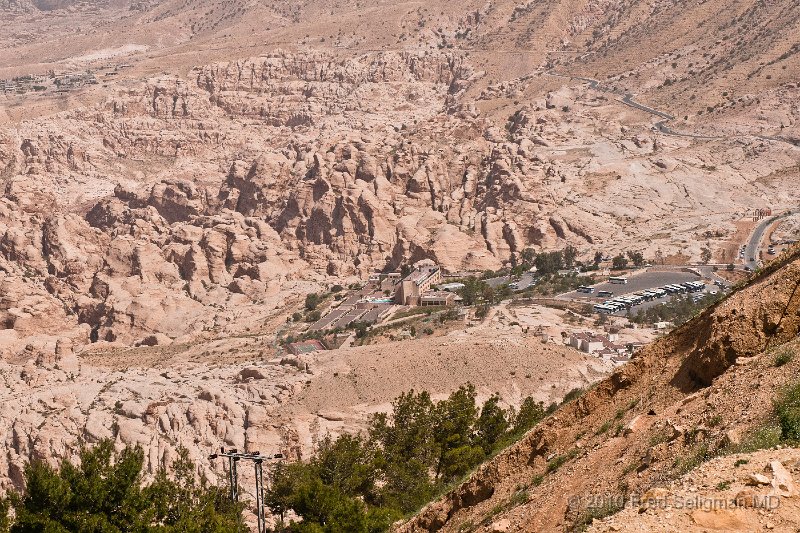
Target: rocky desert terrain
x,y
219,185
177,176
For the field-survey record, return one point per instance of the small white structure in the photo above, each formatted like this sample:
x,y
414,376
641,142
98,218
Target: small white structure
x,y
586,342
589,342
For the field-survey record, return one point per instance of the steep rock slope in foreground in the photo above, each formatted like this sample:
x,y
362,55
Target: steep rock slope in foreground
x,y
688,397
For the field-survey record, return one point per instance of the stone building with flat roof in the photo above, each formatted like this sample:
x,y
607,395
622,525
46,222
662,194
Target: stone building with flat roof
x,y
417,283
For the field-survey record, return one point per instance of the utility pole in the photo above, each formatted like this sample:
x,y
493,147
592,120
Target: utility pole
x,y
260,495
234,456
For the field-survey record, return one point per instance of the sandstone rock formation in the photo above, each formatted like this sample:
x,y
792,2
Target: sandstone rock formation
x,y
223,159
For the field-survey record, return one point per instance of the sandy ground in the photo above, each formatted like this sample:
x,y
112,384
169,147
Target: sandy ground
x,y
350,384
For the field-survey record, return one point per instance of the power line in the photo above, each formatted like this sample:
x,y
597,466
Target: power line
x,y
234,456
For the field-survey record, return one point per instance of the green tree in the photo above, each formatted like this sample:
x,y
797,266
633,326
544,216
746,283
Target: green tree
x,y
184,503
5,521
327,491
312,301
528,255
473,291
619,262
97,496
405,451
503,292
487,293
549,262
530,413
285,480
637,258
360,329
452,433
347,464
104,494
570,254
407,433
491,425
325,508
788,410
364,483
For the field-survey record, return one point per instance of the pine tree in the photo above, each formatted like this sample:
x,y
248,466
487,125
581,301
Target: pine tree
x,y
104,494
491,425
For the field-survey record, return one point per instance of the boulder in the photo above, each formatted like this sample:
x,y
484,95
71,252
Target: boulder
x,y
500,526
782,482
755,480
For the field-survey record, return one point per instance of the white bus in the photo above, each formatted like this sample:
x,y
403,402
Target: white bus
x,y
617,279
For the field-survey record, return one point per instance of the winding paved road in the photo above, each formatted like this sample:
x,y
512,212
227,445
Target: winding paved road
x,y
751,258
661,126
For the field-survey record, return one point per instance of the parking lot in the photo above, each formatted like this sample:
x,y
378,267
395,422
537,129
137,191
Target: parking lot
x,y
660,301
527,280
639,282
498,281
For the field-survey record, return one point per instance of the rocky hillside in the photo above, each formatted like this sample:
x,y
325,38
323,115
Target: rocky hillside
x,y
740,492
704,390
223,189
232,392
218,166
